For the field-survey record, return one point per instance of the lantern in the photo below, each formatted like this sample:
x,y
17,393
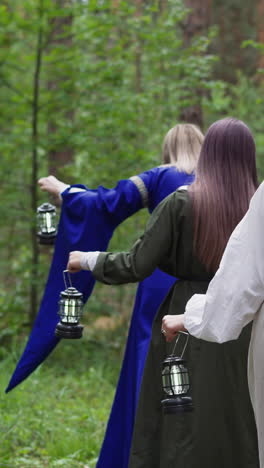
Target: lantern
x,y
176,382
70,312
46,216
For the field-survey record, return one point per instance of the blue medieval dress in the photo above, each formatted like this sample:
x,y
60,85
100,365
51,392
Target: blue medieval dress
x,y
87,222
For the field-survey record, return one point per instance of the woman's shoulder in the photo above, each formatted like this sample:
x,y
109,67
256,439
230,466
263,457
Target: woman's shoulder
x,y
169,172
167,167
177,200
164,171
181,193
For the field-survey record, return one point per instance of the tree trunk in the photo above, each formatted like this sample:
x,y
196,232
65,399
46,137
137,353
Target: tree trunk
x,y
196,23
162,5
198,20
34,172
138,76
260,31
237,21
58,157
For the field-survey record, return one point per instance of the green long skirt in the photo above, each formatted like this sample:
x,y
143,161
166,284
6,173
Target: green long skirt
x,y
220,432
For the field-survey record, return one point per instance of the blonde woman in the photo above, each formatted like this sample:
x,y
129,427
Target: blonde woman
x,y
104,209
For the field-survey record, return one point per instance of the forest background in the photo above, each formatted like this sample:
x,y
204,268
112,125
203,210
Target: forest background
x,y
88,90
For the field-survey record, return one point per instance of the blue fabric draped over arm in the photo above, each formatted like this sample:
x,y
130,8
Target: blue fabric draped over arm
x,y
87,222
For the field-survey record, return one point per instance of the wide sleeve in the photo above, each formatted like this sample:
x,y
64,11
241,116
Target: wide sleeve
x,y
149,251
237,290
87,221
113,205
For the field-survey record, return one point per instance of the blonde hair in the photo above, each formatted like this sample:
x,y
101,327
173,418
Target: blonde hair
x,y
181,147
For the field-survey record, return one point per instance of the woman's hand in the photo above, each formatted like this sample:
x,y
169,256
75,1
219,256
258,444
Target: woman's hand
x,y
54,186
171,324
74,262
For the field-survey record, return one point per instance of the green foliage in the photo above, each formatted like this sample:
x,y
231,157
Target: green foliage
x,y
138,78
245,101
237,22
111,84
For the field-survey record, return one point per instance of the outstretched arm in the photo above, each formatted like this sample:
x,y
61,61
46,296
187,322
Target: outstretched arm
x,y
151,250
118,203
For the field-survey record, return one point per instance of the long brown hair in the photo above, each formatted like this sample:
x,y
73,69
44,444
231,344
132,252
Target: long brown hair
x,y
226,179
181,147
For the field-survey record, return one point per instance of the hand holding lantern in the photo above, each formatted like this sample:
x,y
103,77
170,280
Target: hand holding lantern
x,y
176,382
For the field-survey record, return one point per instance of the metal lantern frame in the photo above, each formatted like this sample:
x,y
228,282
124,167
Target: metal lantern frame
x,y
47,225
176,381
70,311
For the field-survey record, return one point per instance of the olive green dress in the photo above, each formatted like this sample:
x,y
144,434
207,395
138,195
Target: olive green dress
x,y
220,432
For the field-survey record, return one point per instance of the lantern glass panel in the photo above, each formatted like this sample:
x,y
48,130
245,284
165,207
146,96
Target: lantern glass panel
x,y
47,222
70,310
175,379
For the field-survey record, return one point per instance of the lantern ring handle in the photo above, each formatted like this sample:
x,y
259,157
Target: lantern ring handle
x,y
177,339
65,277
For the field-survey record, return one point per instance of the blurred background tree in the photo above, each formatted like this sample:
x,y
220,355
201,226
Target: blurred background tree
x,y
89,90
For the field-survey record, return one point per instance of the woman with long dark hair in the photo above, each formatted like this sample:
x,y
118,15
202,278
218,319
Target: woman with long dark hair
x,y
185,237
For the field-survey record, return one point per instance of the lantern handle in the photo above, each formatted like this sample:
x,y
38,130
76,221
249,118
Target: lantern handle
x,y
177,339
67,277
